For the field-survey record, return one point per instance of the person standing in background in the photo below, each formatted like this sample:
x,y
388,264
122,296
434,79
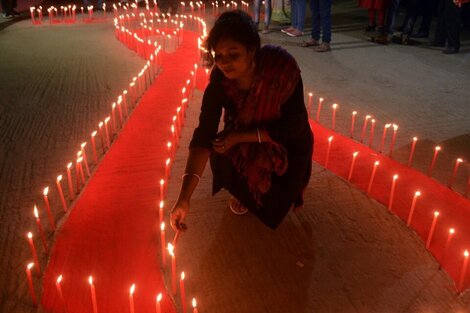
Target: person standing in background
x,y
267,14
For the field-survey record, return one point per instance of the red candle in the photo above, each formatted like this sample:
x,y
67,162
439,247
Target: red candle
x,y
30,283
412,151
434,158
48,208
93,294
364,127
447,245
158,308
124,95
412,208
371,135
59,291
372,176
85,160
41,231
392,191
194,306
69,180
351,168
100,128
80,169
173,268
33,252
330,139
431,231
162,189
333,118
131,298
310,101
163,243
394,138
120,110
353,121
61,193
93,145
463,272
168,146
182,292
454,172
113,115
106,121
319,109
160,211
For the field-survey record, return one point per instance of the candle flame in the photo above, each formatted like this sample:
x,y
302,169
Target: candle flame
x,y
59,279
46,191
373,121
30,265
376,163
368,117
114,105
30,235
132,289
354,112
355,154
107,119
161,204
395,177
69,165
36,213
415,138
310,94
162,182
330,139
417,193
388,125
395,127
168,144
80,159
194,303
93,134
459,160
436,213
321,99
162,226
334,106
100,124
79,153
159,297
451,231
170,249
466,254
182,275
437,148
90,280
174,118
59,178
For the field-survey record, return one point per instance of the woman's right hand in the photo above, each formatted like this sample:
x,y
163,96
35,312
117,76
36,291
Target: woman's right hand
x,y
178,214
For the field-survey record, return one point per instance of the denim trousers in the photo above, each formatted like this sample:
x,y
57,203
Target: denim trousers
x,y
267,11
298,14
321,19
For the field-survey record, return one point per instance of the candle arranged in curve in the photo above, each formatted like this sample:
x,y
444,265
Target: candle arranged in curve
x,y
412,208
412,151
41,231
30,283
431,230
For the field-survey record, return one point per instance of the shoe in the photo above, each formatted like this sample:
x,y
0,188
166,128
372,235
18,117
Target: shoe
x,y
236,207
382,39
370,28
288,29
451,50
310,43
295,33
7,15
420,34
323,47
265,30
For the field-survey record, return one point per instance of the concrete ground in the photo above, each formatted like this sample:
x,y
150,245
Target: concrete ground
x,y
343,252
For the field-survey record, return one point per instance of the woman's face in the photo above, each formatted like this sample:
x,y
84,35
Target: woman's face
x,y
233,59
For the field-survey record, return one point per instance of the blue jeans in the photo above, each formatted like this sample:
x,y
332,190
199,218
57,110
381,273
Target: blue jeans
x,y
321,19
391,16
298,14
267,11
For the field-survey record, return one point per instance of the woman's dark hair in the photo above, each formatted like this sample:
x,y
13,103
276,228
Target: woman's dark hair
x,y
235,25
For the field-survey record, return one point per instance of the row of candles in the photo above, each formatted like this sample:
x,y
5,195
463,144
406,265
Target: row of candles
x,y
394,178
137,87
65,14
368,130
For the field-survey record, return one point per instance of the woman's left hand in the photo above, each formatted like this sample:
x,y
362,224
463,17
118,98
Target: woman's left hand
x,y
225,141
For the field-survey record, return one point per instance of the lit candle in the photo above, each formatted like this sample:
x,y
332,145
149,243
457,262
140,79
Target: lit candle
x,y
431,231
106,121
434,158
100,128
48,208
41,231
412,208
353,121
113,115
394,138
160,211
120,109
69,180
319,109
333,117
158,308
59,291
93,294
454,172
167,168
85,160
463,271
173,268
371,180
80,169
371,135
93,145
33,252
412,151
163,243
309,103
125,101
364,127
131,298
182,292
168,146
447,245
162,189
351,168
330,139
194,306
61,193
30,283
392,191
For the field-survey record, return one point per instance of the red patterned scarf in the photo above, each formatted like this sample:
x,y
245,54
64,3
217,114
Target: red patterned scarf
x,y
276,76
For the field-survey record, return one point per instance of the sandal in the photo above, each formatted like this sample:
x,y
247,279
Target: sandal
x,y
310,43
323,47
236,207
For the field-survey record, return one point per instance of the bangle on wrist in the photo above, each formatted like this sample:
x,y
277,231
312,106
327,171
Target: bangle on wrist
x,y
259,136
191,174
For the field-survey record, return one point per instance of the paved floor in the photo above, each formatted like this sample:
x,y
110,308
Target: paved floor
x,y
342,253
